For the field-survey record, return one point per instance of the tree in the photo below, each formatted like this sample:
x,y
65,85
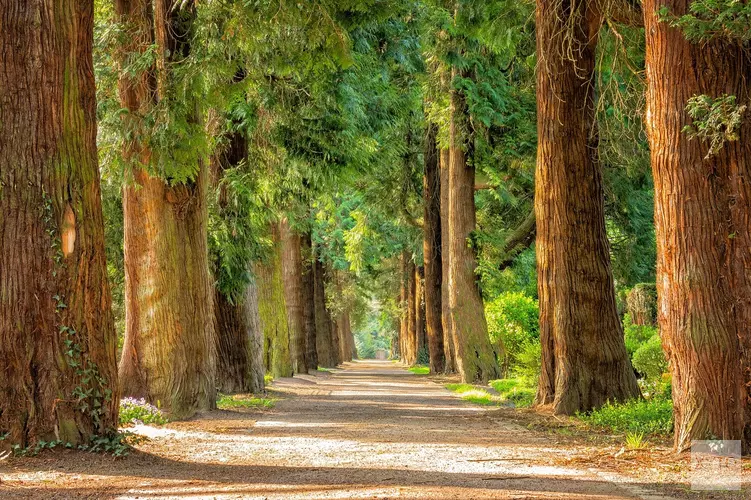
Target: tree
x,y
448,335
584,358
474,356
432,252
293,294
308,299
702,217
272,308
169,351
57,338
324,330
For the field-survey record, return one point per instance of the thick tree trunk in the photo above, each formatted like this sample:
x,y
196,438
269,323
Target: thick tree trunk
x,y
584,359
272,309
169,350
432,252
403,296
239,343
293,294
702,221
475,359
308,298
421,341
448,336
57,335
239,338
410,343
324,327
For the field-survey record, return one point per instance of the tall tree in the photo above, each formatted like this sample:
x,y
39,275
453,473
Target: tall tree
x,y
169,349
584,359
324,329
432,251
475,360
702,218
448,336
57,337
293,294
308,298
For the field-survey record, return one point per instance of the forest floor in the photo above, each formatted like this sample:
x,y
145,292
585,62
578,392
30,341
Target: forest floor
x,y
368,430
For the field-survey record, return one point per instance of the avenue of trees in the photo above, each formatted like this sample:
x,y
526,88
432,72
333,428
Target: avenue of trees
x,y
196,194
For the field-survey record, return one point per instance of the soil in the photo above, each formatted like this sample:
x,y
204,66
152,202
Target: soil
x,y
370,429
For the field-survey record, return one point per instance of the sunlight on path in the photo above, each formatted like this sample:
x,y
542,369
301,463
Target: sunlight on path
x,y
370,430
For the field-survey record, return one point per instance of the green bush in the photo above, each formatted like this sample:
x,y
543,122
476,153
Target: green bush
x,y
649,359
133,411
653,416
423,356
636,335
529,363
512,325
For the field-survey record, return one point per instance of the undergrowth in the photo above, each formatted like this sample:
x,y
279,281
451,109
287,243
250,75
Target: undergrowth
x,y
474,394
419,369
515,390
227,402
138,411
653,416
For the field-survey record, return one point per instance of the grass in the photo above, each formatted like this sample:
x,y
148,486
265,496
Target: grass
x,y
635,441
325,370
419,369
267,379
474,394
226,402
645,416
512,389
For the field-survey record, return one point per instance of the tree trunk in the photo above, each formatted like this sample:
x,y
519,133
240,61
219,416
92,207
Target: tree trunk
x,y
475,359
641,304
324,329
169,349
448,336
421,341
57,334
410,344
308,294
293,285
403,309
240,343
702,226
239,338
432,252
336,352
272,309
584,359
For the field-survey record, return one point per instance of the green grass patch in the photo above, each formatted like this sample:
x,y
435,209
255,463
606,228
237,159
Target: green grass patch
x,y
653,416
474,395
419,369
512,389
226,402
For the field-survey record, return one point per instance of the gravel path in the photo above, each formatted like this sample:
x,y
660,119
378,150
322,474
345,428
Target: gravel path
x,y
368,430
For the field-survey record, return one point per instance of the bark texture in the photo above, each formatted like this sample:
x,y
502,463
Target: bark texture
x,y
702,227
421,341
272,309
448,336
432,252
57,335
324,327
293,294
584,359
474,357
308,297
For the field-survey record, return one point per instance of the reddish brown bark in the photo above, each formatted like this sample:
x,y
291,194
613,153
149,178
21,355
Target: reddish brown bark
x,y
448,337
324,327
474,356
584,359
293,293
169,351
55,307
432,252
702,221
421,341
409,354
308,294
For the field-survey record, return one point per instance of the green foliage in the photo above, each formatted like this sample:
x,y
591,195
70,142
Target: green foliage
x,y
133,411
529,363
716,120
653,416
635,441
709,19
636,335
512,324
649,359
474,394
515,390
423,356
420,369
227,402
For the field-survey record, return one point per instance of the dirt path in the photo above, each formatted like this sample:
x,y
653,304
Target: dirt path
x,y
370,430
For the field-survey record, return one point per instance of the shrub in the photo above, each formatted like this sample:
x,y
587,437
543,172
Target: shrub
x,y
636,335
512,323
135,411
653,416
529,363
423,356
649,359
